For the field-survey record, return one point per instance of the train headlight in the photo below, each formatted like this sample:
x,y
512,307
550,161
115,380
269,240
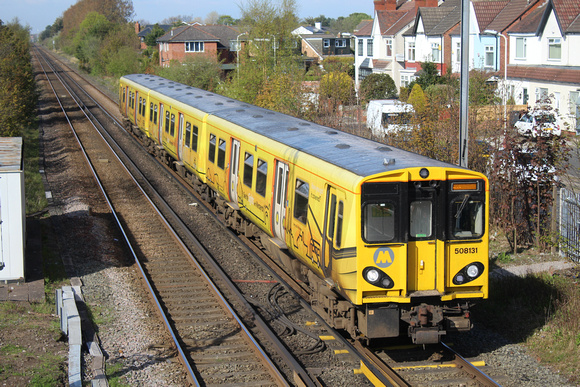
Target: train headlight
x,y
472,271
468,273
377,277
372,276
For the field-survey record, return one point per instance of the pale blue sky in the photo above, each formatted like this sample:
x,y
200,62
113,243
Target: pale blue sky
x,y
39,13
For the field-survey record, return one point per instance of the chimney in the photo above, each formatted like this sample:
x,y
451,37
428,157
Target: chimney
x,y
318,25
426,3
137,28
385,5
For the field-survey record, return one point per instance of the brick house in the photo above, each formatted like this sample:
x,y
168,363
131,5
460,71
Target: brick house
x,y
213,41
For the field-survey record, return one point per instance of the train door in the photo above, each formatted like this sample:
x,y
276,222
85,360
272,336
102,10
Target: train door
x,y
280,189
180,138
234,170
422,246
161,118
332,233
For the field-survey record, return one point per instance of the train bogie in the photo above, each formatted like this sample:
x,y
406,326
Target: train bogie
x,y
385,238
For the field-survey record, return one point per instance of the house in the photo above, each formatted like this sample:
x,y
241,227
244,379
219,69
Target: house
x,y
379,44
143,32
318,43
544,59
217,42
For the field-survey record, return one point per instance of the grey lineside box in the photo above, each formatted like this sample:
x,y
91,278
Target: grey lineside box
x,y
12,210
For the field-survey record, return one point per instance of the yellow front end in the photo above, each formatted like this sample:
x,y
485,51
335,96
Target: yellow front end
x,y
423,249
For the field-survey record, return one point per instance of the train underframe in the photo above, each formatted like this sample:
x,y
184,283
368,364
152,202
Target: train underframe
x,y
424,321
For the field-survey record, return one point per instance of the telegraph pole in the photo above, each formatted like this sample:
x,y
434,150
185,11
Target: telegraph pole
x,y
464,84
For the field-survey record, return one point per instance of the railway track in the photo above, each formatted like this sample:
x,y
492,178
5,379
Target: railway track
x,y
214,344
172,279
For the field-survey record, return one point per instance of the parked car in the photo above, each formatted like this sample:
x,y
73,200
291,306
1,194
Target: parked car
x,y
547,122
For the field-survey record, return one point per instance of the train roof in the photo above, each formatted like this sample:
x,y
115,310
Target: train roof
x,y
356,154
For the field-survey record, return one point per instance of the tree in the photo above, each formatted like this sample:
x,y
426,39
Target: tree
x,y
428,75
337,87
151,38
226,20
417,99
377,86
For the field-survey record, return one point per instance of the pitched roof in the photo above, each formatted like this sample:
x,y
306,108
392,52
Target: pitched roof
x,y
487,10
363,26
439,20
568,14
555,74
510,13
149,28
530,24
206,33
391,22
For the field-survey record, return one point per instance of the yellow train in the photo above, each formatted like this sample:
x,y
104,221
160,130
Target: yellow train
x,y
390,242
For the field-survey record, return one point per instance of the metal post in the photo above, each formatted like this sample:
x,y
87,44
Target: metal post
x,y
464,100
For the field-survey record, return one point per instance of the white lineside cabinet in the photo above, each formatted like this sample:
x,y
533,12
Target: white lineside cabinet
x,y
12,210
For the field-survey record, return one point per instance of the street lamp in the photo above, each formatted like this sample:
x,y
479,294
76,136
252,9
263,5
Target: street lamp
x,y
505,57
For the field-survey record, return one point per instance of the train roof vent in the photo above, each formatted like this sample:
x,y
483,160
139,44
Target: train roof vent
x,y
304,124
198,96
292,129
343,146
230,101
384,149
240,110
331,132
218,104
258,116
190,93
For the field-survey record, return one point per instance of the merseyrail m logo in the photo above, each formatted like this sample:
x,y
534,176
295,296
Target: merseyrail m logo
x,y
384,257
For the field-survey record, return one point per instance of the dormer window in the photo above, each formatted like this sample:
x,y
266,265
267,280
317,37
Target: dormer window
x,y
554,48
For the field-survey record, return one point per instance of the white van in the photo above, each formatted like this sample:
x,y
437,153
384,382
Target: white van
x,y
388,115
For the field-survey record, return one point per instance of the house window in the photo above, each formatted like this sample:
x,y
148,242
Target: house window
x,y
411,52
389,47
435,52
326,43
555,48
340,43
525,96
489,56
404,80
521,48
572,101
360,47
458,52
541,94
193,46
369,47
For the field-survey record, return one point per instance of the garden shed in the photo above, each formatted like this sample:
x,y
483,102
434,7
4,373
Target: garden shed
x,y
12,210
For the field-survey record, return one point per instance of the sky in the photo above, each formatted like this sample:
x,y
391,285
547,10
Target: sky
x,y
37,14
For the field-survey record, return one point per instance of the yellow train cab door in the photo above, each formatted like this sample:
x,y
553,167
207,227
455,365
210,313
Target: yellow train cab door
x,y
422,246
279,205
234,170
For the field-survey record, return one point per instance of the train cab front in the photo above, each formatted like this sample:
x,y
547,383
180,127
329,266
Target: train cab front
x,y
424,256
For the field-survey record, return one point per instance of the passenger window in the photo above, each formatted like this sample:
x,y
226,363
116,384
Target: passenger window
x,y
151,112
187,134
338,239
172,134
167,117
248,169
379,222
301,201
194,136
261,177
211,154
421,219
222,154
155,114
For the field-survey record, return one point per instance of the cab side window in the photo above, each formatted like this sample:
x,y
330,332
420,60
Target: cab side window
x,y
212,146
248,169
261,177
194,137
222,154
